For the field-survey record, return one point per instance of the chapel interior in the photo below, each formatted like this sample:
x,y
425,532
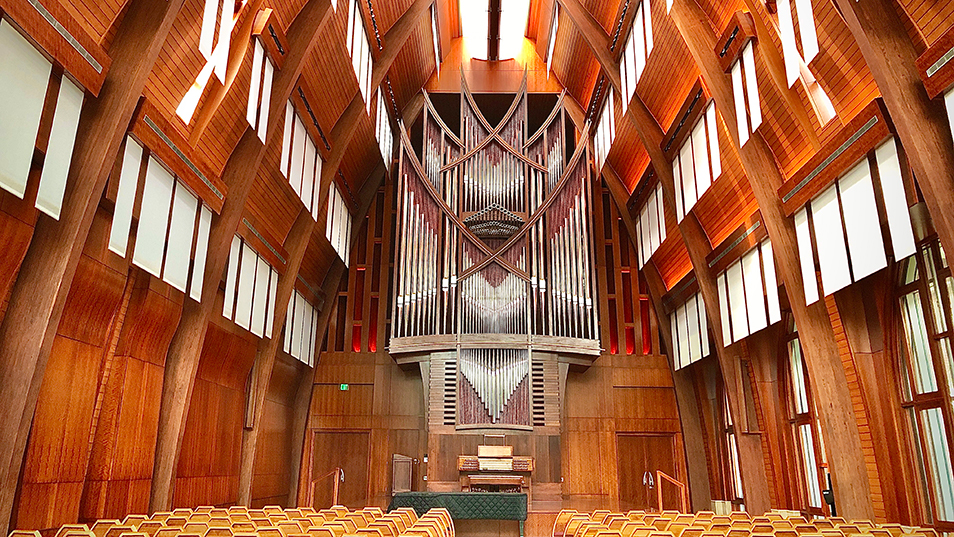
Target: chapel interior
x,y
487,268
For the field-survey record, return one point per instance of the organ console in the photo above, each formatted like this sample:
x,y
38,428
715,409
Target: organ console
x,y
497,470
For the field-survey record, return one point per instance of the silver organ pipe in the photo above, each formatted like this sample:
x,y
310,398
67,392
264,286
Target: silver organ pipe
x,y
494,236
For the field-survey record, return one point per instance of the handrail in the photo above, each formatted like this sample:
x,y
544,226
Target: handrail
x,y
683,490
339,478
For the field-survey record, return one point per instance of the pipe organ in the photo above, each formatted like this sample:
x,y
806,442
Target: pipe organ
x,y
494,259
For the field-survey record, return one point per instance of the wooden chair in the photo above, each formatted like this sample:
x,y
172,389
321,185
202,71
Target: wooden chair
x,y
763,528
320,531
24,533
675,527
661,523
357,518
268,532
693,531
219,531
176,521
243,527
133,534
74,528
340,510
738,532
167,531
196,528
635,515
220,522
288,527
100,527
116,531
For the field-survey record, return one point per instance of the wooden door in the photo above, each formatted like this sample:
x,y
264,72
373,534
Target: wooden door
x,y
348,451
639,454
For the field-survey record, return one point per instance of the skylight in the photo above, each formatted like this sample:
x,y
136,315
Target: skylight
x,y
476,25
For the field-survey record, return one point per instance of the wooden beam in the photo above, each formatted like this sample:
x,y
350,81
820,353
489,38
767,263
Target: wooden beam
x,y
830,384
595,37
301,468
39,295
686,398
921,123
240,172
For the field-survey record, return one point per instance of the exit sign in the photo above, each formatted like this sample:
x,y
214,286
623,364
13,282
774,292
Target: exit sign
x,y
343,387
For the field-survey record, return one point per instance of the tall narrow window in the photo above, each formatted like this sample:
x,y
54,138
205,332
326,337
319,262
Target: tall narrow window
x,y
301,162
925,300
301,327
650,226
250,288
360,50
636,51
809,453
554,26
382,131
338,224
605,131
745,89
260,89
698,163
436,37
731,468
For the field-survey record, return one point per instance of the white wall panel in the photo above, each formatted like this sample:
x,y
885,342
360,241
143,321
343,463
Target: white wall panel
x,y
181,229
308,179
228,304
299,328
700,157
754,293
297,156
684,345
771,282
712,129
201,251
688,176
805,256
677,185
270,314
59,152
703,325
125,197
786,30
153,218
862,226
255,86
246,287
724,310
25,74
740,323
895,201
314,337
692,321
674,331
260,298
286,137
806,29
830,241
738,95
289,323
266,100
751,86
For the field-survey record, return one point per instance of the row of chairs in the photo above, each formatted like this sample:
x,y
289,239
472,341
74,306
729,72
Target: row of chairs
x,y
239,521
570,523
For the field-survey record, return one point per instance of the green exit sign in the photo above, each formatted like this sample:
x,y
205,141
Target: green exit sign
x,y
343,387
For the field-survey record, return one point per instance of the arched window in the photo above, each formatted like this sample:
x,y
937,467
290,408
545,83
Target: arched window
x,y
926,296
808,443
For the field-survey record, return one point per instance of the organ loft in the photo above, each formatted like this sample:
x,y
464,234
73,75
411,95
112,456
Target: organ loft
x,y
476,268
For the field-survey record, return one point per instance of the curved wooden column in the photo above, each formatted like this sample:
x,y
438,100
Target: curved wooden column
x,y
39,295
240,172
830,384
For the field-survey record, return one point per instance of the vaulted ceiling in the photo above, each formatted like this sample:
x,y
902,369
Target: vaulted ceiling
x,y
791,129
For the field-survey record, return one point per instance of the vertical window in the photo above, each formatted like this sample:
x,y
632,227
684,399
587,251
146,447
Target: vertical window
x,y
26,75
731,469
360,50
301,162
636,51
259,89
436,37
301,327
690,332
382,131
925,302
650,226
250,288
797,61
605,131
338,224
748,294
745,90
554,26
217,58
698,163
809,452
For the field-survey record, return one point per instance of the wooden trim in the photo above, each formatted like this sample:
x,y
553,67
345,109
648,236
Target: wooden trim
x,y
750,233
693,108
936,65
839,153
302,97
268,28
162,139
70,46
737,33
263,242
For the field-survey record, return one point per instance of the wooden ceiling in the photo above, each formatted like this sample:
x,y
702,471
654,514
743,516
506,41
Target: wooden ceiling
x,y
664,87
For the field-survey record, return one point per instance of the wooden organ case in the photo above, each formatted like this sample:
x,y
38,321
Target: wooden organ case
x,y
495,286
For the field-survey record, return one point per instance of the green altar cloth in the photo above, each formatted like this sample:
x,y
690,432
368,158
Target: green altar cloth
x,y
467,505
